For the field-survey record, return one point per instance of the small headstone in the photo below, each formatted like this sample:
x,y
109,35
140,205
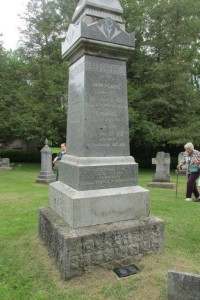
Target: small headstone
x,y
161,178
183,171
162,162
5,164
46,175
183,286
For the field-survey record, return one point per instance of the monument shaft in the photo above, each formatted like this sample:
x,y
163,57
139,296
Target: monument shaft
x,y
97,111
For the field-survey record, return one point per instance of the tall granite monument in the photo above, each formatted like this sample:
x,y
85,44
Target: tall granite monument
x,y
97,213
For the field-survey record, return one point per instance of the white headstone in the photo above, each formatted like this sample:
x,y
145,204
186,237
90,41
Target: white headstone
x,y
185,166
162,162
5,164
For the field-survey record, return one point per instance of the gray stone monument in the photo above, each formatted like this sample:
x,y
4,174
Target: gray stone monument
x,y
98,215
46,174
184,168
183,286
5,164
161,178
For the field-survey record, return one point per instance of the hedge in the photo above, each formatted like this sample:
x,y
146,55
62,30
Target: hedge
x,y
21,156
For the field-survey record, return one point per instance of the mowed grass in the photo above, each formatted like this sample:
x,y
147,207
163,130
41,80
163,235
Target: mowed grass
x,y
27,271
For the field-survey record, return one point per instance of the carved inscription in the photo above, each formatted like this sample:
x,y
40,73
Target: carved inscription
x,y
107,100
106,68
58,202
97,107
108,176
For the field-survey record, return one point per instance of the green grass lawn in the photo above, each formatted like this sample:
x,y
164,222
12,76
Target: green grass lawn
x,y
27,271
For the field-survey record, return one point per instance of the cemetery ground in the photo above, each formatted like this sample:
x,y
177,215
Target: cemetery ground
x,y
27,271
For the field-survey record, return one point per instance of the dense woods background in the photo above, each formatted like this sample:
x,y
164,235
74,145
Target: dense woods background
x,y
163,75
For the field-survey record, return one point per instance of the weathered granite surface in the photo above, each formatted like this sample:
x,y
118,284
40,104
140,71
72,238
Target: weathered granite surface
x,y
92,173
162,162
97,110
183,286
92,207
98,8
108,245
5,164
46,174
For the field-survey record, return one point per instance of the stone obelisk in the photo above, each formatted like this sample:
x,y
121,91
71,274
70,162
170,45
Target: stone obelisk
x,y
98,214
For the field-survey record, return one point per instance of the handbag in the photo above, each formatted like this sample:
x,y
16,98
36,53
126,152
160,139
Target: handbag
x,y
193,169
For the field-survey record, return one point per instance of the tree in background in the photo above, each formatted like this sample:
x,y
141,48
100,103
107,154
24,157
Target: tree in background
x,y
163,74
35,90
13,87
163,95
46,23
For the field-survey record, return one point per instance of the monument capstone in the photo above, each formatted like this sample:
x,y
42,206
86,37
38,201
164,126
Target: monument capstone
x,y
97,213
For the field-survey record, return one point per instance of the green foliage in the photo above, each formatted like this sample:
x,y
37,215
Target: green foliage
x,y
34,77
163,93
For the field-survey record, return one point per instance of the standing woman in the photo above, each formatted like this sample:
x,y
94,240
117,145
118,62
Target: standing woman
x,y
63,148
192,158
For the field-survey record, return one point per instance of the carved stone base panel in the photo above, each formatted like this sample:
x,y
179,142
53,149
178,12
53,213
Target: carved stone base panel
x,y
86,208
109,245
92,173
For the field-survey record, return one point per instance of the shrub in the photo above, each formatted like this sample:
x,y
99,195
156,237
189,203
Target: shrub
x,y
21,156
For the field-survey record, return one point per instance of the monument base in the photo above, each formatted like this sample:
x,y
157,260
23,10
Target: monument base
x,y
95,207
45,181
6,168
46,177
107,245
163,185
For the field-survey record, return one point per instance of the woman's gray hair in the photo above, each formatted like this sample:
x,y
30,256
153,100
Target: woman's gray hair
x,y
189,146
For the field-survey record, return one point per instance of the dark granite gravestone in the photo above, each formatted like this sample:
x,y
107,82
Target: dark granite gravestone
x,y
183,286
98,214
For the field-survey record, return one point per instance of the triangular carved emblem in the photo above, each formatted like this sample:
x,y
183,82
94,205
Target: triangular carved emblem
x,y
109,29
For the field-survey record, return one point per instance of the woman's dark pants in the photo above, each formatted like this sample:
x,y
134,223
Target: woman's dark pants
x,y
192,186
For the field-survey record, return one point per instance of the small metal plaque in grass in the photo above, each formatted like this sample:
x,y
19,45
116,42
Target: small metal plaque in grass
x,y
126,271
